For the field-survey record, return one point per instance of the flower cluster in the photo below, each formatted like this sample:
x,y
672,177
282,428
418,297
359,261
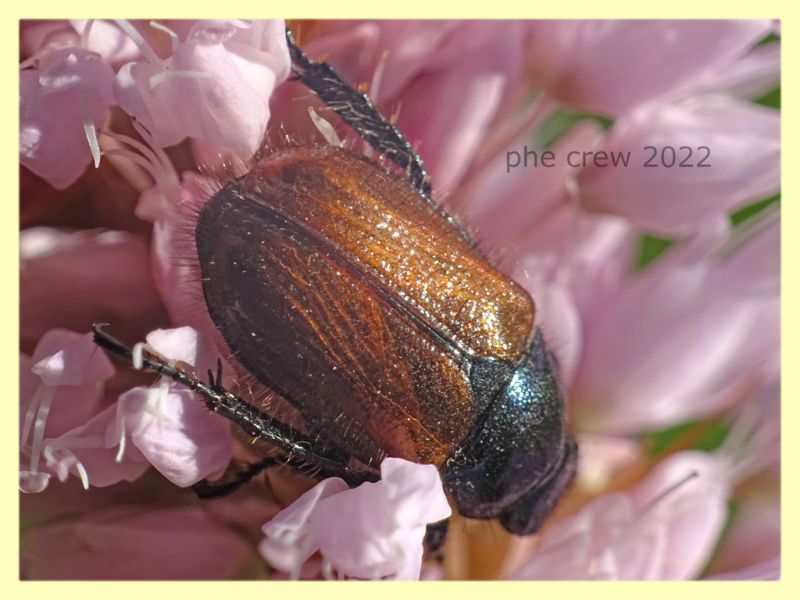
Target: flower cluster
x,y
656,286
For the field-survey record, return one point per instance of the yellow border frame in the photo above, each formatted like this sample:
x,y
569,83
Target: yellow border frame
x,y
405,8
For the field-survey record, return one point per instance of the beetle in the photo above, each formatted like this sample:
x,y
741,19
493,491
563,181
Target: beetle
x,y
341,287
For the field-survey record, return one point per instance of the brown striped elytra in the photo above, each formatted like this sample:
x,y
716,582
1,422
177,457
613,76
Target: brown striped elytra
x,y
347,293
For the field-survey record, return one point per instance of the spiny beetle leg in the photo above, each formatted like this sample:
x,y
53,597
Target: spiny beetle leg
x,y
435,536
329,462
207,490
357,110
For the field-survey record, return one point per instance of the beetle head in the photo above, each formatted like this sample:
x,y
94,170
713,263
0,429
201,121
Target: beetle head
x,y
519,458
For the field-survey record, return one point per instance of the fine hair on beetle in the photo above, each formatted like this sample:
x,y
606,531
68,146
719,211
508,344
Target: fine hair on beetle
x,y
182,228
438,354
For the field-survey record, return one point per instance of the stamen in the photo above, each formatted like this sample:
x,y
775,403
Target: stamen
x,y
82,474
148,153
30,412
625,535
161,77
746,446
325,128
173,37
138,355
377,76
169,178
667,492
395,116
70,458
29,62
87,28
134,158
153,159
91,131
123,438
327,571
747,231
148,53
38,428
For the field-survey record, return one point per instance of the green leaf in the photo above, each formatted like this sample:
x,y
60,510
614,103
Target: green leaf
x,y
713,438
740,216
768,39
700,435
658,442
561,121
771,99
650,248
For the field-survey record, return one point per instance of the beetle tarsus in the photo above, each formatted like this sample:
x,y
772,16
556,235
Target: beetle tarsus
x,y
207,490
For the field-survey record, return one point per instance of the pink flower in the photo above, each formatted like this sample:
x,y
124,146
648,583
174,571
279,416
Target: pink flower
x,y
714,340
529,197
64,100
106,39
731,149
752,76
592,65
371,532
101,37
669,524
215,86
687,343
665,528
61,389
750,549
168,424
75,278
92,453
131,542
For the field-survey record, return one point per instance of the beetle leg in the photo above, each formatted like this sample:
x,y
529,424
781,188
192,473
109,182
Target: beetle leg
x,y
207,490
435,536
259,425
358,111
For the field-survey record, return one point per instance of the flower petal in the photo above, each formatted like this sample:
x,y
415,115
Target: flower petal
x,y
608,66
213,87
703,342
161,543
372,531
90,452
70,90
176,433
75,278
740,142
75,360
